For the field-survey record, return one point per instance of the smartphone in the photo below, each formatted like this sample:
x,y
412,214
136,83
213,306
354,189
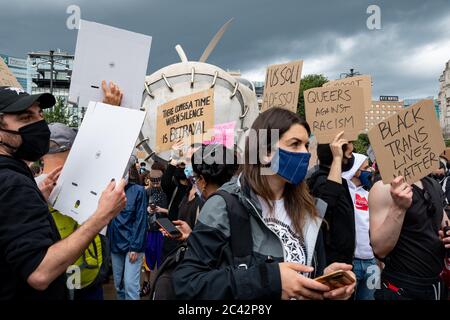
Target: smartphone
x,y
169,227
336,279
152,206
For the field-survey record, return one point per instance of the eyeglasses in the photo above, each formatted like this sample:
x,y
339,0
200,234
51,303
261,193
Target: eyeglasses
x,y
155,180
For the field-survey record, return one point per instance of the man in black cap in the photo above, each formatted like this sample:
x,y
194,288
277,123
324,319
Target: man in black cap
x,y
33,259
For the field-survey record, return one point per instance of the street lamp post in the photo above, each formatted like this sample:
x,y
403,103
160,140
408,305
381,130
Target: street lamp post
x,y
351,74
52,66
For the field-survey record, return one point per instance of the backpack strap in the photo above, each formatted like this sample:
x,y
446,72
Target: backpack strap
x,y
240,229
434,188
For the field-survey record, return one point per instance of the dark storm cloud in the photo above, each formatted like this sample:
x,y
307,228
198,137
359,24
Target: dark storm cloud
x,y
331,36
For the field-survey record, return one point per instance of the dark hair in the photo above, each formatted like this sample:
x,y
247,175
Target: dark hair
x,y
215,163
158,166
133,175
297,200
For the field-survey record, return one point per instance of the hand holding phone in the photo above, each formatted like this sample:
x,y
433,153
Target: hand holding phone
x,y
336,279
168,227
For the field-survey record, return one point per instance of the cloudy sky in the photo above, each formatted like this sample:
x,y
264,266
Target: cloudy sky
x,y
405,57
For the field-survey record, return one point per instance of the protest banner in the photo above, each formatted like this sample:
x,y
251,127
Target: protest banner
x,y
190,117
409,143
364,82
101,151
282,86
107,53
446,154
223,134
6,76
331,110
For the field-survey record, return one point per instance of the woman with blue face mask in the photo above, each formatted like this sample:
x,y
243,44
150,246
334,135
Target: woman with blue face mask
x,y
287,245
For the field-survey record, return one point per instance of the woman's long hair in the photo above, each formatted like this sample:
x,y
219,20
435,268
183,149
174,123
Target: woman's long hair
x,y
298,201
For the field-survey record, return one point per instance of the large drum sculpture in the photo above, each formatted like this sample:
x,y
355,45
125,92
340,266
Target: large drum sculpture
x,y
234,98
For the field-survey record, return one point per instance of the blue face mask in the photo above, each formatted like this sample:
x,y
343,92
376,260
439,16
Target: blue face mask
x,y
291,166
188,171
366,179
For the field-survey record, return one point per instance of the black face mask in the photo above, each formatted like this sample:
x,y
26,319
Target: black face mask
x,y
35,141
347,163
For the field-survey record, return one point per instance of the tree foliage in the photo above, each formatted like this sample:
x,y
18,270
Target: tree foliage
x,y
309,81
60,113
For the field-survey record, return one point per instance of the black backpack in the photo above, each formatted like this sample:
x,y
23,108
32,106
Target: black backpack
x,y
241,247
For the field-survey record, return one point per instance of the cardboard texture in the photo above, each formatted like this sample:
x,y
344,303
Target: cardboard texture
x,y
330,110
190,117
282,86
409,143
6,76
364,82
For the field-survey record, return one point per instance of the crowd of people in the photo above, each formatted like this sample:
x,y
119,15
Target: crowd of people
x,y
247,229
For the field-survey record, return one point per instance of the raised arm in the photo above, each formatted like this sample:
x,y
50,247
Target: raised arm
x,y
387,207
62,254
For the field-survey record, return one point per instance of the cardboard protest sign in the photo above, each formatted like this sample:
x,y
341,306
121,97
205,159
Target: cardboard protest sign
x,y
6,76
282,85
101,151
409,143
223,134
111,54
331,110
364,82
446,154
190,117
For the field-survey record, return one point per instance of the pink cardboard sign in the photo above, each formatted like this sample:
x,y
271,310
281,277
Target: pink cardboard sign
x,y
223,134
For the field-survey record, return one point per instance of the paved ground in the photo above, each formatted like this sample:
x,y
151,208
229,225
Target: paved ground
x,y
109,292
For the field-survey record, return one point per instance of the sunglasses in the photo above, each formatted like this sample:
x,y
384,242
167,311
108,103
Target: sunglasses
x,y
155,180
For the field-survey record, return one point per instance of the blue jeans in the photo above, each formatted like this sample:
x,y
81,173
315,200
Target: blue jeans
x,y
365,271
127,276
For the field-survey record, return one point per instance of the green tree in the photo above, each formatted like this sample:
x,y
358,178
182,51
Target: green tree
x,y
60,113
362,144
447,143
309,81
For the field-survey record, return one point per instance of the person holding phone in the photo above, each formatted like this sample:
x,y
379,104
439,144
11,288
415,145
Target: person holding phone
x,y
287,245
157,208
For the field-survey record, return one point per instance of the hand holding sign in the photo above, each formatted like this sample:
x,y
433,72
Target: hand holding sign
x,y
409,143
401,193
112,94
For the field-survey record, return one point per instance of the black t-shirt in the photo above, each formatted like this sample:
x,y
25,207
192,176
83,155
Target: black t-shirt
x,y
27,230
339,223
419,252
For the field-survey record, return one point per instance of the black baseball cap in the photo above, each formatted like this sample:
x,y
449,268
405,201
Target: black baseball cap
x,y
14,99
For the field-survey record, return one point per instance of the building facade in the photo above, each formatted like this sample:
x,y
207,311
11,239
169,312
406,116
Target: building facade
x,y
51,72
19,68
444,100
380,110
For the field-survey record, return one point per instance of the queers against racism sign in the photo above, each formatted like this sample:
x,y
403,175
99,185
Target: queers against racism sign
x,y
330,110
409,143
282,86
364,82
188,117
